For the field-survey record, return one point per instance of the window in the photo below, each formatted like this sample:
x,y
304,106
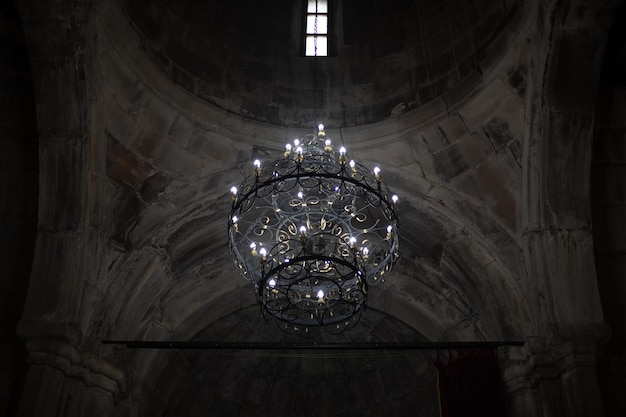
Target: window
x,y
317,28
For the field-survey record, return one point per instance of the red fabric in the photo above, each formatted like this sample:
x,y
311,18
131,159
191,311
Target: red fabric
x,y
468,384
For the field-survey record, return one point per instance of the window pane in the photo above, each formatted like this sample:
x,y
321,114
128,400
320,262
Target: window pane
x,y
322,46
322,6
322,24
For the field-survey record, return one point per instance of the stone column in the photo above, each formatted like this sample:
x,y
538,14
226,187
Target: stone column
x,y
556,375
63,380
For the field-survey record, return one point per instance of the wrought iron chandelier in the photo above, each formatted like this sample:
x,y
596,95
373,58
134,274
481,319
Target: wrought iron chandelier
x,y
312,230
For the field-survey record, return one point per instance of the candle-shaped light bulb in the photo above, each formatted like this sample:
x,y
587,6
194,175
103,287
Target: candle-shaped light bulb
x,y
263,253
352,164
233,190
299,156
257,167
377,173
327,146
272,283
235,225
353,242
253,249
365,252
320,294
320,127
342,155
288,149
296,142
394,198
300,195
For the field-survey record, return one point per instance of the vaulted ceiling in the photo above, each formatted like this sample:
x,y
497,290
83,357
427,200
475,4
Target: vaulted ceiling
x,y
449,97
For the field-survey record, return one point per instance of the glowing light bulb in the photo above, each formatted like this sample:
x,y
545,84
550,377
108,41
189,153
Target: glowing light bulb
x,y
257,163
233,190
235,219
300,195
377,172
320,294
263,252
272,283
296,142
389,229
320,127
394,198
365,251
352,164
353,241
342,151
303,230
299,157
288,146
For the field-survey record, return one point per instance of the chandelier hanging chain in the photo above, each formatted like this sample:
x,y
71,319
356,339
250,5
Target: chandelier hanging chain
x,y
315,35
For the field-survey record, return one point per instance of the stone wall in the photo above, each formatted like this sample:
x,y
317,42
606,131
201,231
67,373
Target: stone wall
x,y
18,198
608,190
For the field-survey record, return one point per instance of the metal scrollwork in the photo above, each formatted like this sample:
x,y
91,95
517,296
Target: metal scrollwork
x,y
313,230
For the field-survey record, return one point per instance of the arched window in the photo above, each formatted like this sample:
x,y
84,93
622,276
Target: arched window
x,y
316,40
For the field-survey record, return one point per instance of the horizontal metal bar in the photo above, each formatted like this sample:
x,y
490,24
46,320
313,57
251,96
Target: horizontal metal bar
x,y
149,344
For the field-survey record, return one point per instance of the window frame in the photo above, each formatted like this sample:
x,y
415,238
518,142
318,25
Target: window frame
x,y
309,33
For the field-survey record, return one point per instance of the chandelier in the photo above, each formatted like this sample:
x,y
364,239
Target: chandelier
x,y
312,230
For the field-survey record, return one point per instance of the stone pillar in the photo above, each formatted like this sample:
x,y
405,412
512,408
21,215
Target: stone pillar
x,y
556,375
64,381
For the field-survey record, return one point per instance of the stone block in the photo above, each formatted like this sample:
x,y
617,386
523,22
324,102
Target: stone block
x,y
506,209
125,167
449,163
180,130
498,131
119,119
147,223
490,101
165,155
218,148
63,183
569,140
57,88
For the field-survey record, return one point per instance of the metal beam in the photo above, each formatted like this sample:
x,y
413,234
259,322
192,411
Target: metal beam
x,y
149,344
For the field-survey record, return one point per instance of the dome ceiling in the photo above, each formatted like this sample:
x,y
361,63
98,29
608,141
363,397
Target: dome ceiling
x,y
194,92
386,57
